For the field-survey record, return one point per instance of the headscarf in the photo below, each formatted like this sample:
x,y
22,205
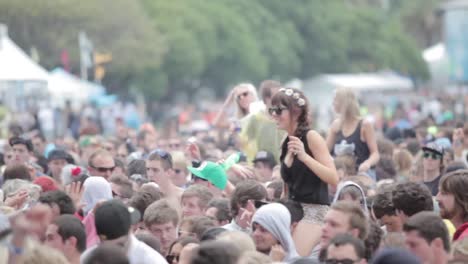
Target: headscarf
x,y
276,219
96,189
363,202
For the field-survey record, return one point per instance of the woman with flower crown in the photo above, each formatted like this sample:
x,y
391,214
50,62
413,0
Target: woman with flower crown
x,y
307,167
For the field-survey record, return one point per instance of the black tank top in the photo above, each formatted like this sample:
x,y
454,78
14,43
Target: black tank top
x,y
353,143
303,184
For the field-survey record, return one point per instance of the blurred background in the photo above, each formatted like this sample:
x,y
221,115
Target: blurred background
x,y
158,60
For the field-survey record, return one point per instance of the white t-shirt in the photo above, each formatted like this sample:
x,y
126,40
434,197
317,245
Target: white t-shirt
x,y
138,253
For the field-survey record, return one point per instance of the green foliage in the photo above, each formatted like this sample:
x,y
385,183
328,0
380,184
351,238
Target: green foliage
x,y
164,48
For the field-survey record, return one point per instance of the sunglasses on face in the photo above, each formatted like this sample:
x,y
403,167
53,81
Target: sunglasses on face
x,y
259,204
277,110
104,169
244,94
340,261
432,155
171,258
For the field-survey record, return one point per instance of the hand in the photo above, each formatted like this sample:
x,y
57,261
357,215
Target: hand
x,y
364,167
245,221
75,191
277,253
242,172
193,151
17,200
33,221
296,147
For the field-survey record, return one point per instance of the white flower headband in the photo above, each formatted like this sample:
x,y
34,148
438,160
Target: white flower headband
x,y
289,92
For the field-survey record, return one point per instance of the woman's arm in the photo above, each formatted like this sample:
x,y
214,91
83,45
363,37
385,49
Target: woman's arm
x,y
371,141
322,164
331,135
220,121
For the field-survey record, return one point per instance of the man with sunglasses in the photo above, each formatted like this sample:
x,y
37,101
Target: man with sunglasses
x,y
433,160
101,163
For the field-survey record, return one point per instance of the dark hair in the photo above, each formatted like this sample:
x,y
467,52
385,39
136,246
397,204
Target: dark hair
x,y
149,240
70,226
124,183
347,239
302,112
429,226
40,136
372,242
246,190
412,198
456,183
277,186
107,253
215,252
136,166
200,224
212,233
385,168
223,209
294,208
61,199
141,200
42,161
18,171
119,163
266,87
385,147
382,203
21,141
183,241
413,146
454,166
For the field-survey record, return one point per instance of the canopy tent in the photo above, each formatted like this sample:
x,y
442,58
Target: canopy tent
x,y
64,86
23,82
15,64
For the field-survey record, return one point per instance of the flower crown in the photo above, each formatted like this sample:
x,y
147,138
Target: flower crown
x,y
296,96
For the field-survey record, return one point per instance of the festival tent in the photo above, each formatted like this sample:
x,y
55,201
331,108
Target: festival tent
x,y
65,86
21,79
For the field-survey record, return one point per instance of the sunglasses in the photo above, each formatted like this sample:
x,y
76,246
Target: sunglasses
x,y
162,154
432,155
171,258
244,94
340,261
104,169
277,110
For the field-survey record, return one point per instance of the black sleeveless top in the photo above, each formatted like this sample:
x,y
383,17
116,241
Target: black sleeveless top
x,y
352,144
303,184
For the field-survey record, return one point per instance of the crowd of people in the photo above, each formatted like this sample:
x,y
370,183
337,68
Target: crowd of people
x,y
259,186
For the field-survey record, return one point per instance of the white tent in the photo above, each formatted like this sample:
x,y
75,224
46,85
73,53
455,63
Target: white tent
x,y
64,86
23,82
15,64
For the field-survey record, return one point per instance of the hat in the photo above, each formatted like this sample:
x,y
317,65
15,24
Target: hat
x,y
434,147
212,172
390,256
46,183
113,219
265,156
58,154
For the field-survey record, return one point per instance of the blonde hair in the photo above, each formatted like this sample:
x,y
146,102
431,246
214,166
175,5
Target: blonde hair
x,y
254,257
403,160
251,88
242,241
349,104
39,254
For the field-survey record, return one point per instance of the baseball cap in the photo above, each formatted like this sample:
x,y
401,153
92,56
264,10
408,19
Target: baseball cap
x,y
113,219
265,156
212,172
434,147
58,154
